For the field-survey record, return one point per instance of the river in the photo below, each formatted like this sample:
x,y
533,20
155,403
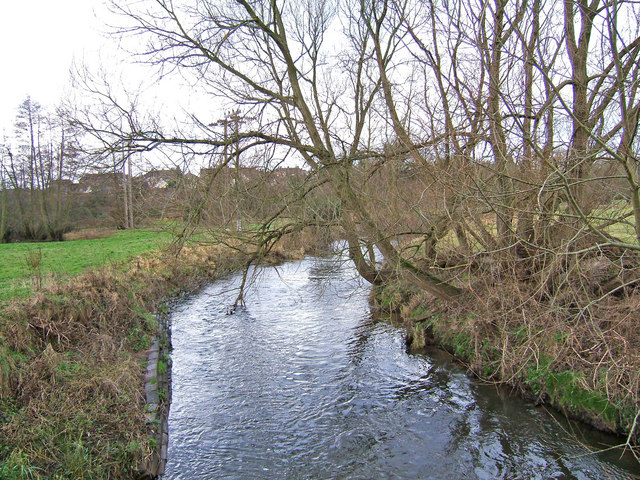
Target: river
x,y
303,383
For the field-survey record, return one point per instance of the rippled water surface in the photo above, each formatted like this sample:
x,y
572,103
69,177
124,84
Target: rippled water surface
x,y
303,384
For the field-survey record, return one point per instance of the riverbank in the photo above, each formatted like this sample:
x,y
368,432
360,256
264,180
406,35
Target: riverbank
x,y
75,403
582,361
304,383
83,364
73,359
72,362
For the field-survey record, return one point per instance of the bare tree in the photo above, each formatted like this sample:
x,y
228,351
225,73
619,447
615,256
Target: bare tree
x,y
4,221
38,171
486,124
273,59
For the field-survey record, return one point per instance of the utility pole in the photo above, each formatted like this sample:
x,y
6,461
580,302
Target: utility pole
x,y
236,119
127,190
3,203
130,193
125,197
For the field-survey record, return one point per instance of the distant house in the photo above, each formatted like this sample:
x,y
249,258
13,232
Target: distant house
x,y
206,172
63,185
189,179
100,182
161,179
289,172
228,175
280,177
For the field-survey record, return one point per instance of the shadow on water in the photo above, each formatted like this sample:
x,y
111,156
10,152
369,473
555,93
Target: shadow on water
x,y
303,383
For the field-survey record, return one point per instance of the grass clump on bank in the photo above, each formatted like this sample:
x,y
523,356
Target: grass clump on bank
x,y
556,344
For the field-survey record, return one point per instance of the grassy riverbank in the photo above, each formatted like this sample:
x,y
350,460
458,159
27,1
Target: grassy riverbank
x,y
73,354
25,266
584,361
72,357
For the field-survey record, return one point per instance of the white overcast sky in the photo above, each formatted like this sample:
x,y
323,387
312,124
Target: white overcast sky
x,y
39,41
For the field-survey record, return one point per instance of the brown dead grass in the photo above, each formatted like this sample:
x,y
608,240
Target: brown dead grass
x,y
89,234
573,318
72,393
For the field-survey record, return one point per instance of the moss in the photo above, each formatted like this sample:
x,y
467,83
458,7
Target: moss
x,y
392,296
422,311
565,390
462,344
564,387
162,367
489,371
520,333
69,367
151,322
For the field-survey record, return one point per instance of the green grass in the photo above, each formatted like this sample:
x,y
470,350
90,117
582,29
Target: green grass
x,y
624,230
69,258
565,389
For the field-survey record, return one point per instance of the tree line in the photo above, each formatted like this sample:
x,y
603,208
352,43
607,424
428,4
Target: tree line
x,y
52,183
32,177
496,128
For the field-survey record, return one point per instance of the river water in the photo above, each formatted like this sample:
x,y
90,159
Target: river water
x,y
304,384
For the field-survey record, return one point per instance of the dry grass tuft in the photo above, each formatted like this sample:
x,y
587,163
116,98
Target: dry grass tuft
x,y
89,234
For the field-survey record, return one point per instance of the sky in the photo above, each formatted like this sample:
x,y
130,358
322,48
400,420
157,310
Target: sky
x,y
39,40
42,41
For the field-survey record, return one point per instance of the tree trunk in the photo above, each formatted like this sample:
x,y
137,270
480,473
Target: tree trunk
x,y
130,194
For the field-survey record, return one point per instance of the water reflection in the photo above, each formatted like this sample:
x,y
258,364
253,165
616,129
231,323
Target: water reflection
x,y
304,384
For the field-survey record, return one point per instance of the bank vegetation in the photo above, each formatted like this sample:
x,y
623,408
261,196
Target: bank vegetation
x,y
73,357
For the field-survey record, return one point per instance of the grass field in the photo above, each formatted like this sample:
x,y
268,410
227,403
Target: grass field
x,y
17,276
